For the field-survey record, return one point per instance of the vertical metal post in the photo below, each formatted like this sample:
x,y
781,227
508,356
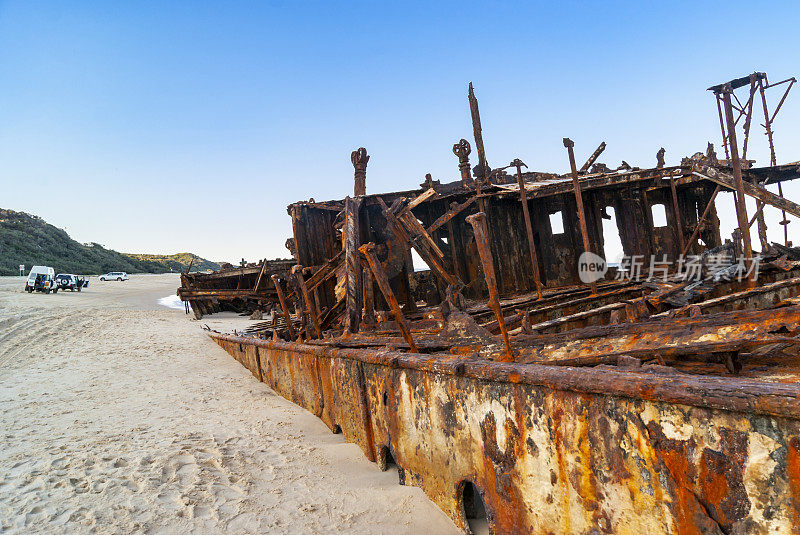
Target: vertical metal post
x,y
576,186
736,164
483,168
722,127
350,243
360,158
314,292
260,274
463,150
478,222
749,115
286,314
368,250
297,271
701,221
772,159
369,296
523,195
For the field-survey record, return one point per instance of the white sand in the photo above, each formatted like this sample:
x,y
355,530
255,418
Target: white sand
x,y
118,415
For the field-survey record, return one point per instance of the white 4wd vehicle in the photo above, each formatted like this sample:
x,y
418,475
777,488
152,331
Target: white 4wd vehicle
x,y
114,276
41,279
68,281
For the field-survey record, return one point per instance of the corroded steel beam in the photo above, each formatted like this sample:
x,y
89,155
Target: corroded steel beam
x,y
369,297
483,167
741,207
528,229
478,222
759,193
569,144
187,294
326,271
368,250
408,230
449,215
352,265
260,275
593,158
725,331
286,314
297,271
701,221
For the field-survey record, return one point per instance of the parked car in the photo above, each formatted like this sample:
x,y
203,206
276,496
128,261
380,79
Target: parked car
x,y
114,276
41,279
68,281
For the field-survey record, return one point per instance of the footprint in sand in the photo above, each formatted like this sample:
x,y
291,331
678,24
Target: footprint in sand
x,y
129,484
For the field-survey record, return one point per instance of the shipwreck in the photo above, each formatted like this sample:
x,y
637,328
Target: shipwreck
x,y
521,379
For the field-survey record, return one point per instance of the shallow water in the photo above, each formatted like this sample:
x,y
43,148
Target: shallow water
x,y
171,301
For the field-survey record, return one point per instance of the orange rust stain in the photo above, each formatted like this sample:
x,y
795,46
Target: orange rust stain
x,y
684,500
715,487
502,496
291,376
557,414
588,485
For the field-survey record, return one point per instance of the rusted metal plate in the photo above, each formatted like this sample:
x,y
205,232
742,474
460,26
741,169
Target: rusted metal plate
x,y
559,450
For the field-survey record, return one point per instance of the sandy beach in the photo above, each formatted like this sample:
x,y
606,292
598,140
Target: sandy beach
x,y
118,415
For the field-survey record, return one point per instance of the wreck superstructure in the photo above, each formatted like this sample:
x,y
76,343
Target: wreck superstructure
x,y
247,287
503,382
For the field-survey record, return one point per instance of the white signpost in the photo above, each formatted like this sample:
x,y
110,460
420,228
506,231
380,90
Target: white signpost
x,y
22,270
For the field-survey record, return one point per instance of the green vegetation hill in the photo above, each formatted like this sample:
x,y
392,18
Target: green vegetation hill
x,y
28,239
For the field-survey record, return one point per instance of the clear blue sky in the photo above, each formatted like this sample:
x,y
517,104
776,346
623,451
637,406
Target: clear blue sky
x,y
189,126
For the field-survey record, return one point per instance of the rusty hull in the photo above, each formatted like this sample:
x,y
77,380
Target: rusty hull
x,y
557,450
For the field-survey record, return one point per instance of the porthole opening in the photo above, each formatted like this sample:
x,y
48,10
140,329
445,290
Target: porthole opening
x,y
386,460
474,509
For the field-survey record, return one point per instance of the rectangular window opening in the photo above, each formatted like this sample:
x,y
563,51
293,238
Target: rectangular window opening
x,y
659,214
557,223
612,243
